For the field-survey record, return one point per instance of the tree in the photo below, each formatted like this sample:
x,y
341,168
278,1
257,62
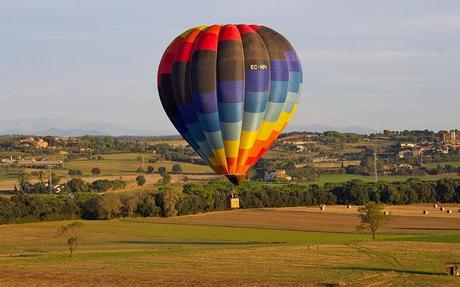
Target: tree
x,y
55,179
109,206
161,170
129,206
177,168
168,201
77,185
96,171
150,169
41,176
70,234
445,190
23,179
372,217
165,178
140,179
147,206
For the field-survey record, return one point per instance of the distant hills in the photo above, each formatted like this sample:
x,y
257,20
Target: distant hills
x,y
70,127
324,128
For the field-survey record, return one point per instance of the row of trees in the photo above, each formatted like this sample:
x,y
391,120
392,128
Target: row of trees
x,y
176,168
74,185
213,196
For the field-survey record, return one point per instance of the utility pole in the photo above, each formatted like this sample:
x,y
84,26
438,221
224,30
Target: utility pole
x,y
49,180
375,166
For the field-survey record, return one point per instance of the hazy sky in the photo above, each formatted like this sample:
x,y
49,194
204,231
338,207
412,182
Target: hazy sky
x,y
375,64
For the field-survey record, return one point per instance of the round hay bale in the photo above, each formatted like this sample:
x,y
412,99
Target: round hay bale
x,y
449,211
322,208
435,205
442,209
386,213
425,212
348,206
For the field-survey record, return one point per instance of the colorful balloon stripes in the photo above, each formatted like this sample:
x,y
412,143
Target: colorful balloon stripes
x,y
230,90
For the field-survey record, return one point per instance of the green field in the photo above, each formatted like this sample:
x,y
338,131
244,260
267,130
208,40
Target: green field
x,y
190,250
115,164
334,178
8,176
435,164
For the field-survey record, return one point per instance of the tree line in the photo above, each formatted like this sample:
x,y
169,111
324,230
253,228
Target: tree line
x,y
213,196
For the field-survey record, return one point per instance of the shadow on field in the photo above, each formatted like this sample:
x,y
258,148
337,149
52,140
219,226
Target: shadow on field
x,y
362,268
242,243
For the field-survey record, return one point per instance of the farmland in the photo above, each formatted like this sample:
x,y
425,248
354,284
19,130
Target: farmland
x,y
125,165
434,164
270,247
115,164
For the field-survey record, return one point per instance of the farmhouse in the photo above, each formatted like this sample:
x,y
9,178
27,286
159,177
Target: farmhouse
x,y
38,143
277,175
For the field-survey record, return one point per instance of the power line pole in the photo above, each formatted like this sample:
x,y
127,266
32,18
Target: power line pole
x,y
375,166
49,180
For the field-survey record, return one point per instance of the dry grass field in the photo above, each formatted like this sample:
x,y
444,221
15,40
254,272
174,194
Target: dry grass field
x,y
115,164
403,219
260,247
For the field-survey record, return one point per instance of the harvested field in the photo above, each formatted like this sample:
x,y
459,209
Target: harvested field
x,y
403,219
266,247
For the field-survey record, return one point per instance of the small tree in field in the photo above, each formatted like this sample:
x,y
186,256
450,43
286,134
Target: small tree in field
x,y
177,168
140,179
70,234
96,171
150,169
55,179
372,217
165,178
161,170
23,178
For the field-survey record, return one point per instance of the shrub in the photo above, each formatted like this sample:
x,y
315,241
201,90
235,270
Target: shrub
x,y
150,169
177,168
140,179
96,171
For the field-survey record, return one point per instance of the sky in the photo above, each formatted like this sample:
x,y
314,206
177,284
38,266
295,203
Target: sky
x,y
374,64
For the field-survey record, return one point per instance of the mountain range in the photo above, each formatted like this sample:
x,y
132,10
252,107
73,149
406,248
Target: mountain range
x,y
68,127
71,127
325,128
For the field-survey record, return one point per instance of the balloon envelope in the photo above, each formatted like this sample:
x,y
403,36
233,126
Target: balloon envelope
x,y
230,90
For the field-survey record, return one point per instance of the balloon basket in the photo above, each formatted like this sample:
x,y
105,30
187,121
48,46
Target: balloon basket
x,y
234,203
233,200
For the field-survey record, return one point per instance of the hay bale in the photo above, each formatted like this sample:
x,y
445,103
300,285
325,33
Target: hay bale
x,y
348,206
322,207
386,213
442,209
425,212
435,205
449,211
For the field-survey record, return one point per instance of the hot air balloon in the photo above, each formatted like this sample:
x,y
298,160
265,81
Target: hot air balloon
x,y
230,90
